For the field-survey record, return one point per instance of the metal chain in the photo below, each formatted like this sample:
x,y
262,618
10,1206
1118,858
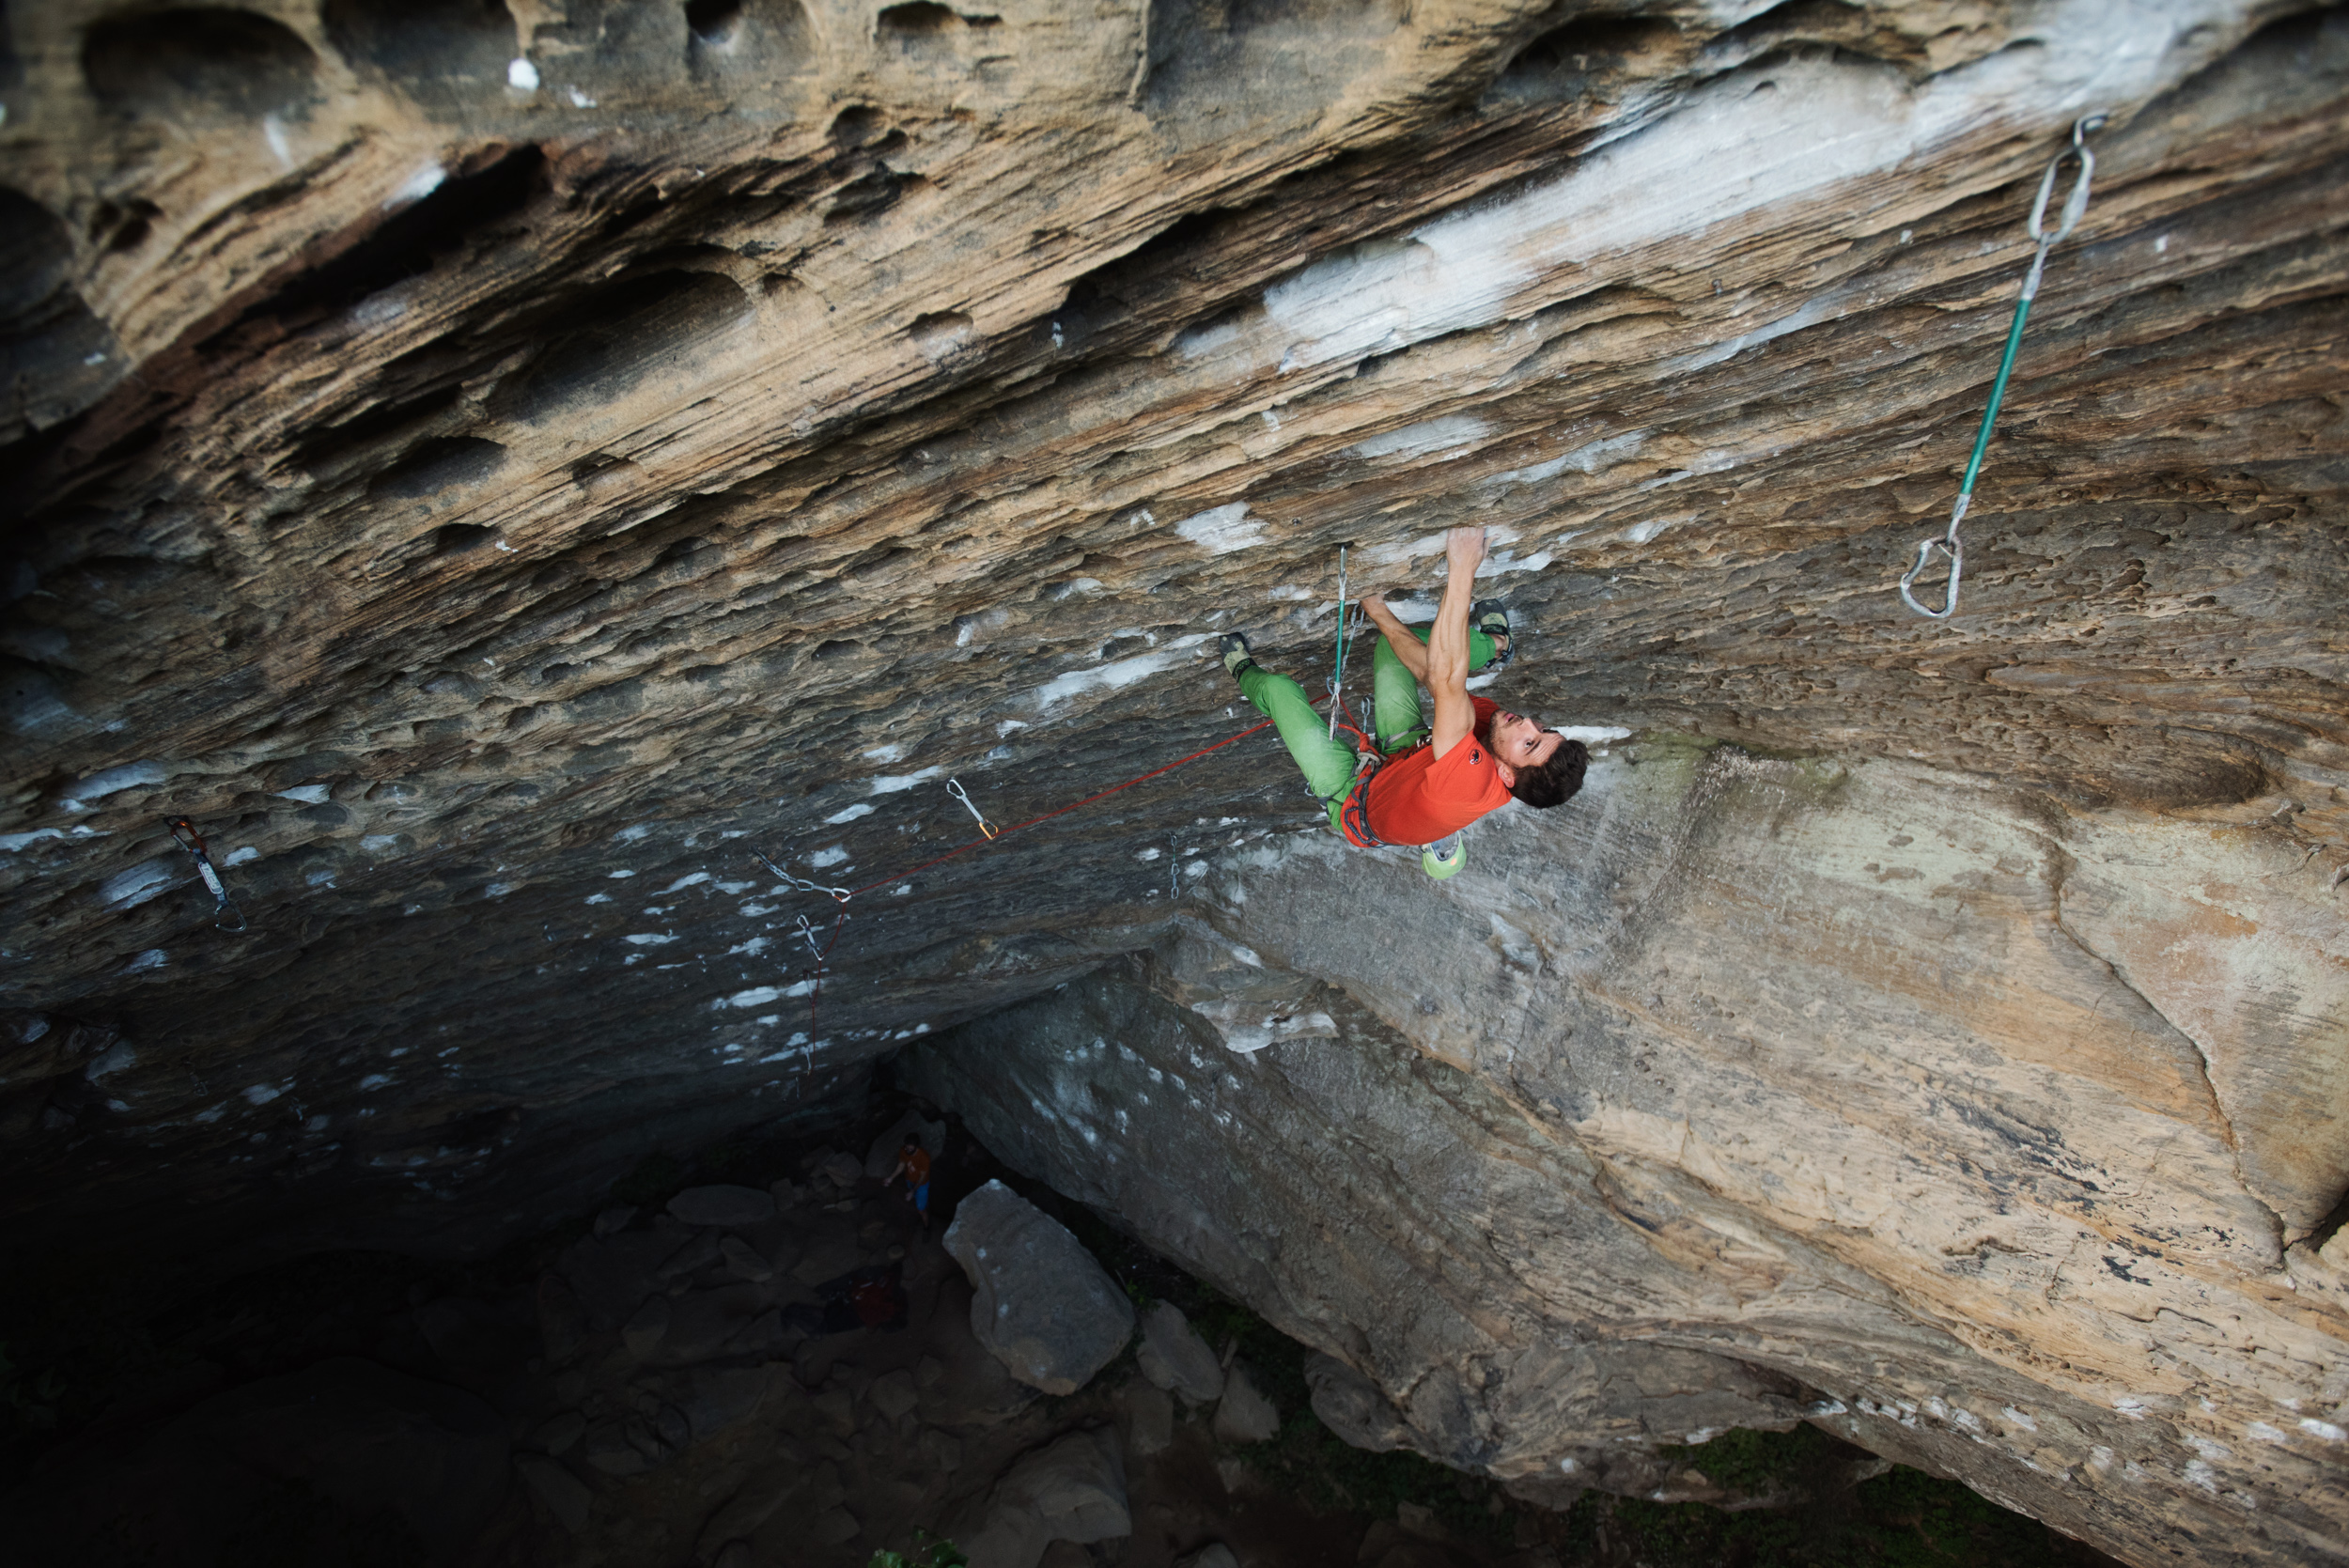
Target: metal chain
x,y
2074,206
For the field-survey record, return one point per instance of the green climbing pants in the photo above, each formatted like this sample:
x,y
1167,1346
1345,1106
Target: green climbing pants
x,y
1327,761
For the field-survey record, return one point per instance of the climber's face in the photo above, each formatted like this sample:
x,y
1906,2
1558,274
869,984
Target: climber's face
x,y
1520,743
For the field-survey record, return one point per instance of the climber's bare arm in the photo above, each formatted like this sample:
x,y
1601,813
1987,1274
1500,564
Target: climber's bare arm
x,y
1405,648
1448,643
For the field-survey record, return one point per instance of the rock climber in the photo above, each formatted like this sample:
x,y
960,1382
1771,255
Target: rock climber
x,y
913,1164
1422,787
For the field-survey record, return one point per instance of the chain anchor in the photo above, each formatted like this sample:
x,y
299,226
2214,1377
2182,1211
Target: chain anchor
x,y
800,884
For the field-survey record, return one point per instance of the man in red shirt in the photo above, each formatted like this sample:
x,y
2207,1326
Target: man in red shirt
x,y
1420,791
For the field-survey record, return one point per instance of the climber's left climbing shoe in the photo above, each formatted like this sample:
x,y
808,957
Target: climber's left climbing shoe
x,y
1488,616
1445,859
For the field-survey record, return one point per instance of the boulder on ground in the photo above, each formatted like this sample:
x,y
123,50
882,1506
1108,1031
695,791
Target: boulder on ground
x,y
1174,1357
1071,1489
880,1157
722,1207
1149,1420
1351,1405
840,1170
1244,1415
1215,1554
1041,1305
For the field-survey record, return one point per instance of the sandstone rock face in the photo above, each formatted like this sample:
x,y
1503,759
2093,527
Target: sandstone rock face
x,y
1040,1304
1244,1415
1750,1092
494,472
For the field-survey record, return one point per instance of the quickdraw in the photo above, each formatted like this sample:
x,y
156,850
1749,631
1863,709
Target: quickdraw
x,y
1337,675
183,833
954,787
2074,206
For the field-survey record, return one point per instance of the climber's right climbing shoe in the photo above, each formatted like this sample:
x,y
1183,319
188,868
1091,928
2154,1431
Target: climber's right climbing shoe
x,y
1236,655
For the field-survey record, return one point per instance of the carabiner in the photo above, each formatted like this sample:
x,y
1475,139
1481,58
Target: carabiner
x,y
954,787
183,833
1955,549
2075,203
809,932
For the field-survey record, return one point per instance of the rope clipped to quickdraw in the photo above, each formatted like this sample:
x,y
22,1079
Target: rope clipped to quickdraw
x,y
2074,206
183,833
823,954
1337,674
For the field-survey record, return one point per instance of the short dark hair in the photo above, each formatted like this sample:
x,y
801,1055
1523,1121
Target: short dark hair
x,y
1555,782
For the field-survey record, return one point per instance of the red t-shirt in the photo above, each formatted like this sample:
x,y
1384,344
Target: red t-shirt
x,y
1419,798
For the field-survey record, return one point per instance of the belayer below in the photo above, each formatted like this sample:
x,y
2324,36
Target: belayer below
x,y
1422,787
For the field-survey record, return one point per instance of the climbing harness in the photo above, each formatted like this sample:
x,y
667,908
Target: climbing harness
x,y
2074,206
183,833
800,884
954,787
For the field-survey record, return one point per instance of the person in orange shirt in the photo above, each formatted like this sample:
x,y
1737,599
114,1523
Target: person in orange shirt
x,y
1421,790
913,1164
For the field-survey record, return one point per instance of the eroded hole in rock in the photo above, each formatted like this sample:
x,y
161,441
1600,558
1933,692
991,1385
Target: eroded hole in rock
x,y
1253,52
941,332
714,22
447,52
1585,56
924,30
470,206
199,62
56,357
660,328
858,126
457,538
437,466
770,37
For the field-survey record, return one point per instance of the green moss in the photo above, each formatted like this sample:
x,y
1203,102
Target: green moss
x,y
1759,1464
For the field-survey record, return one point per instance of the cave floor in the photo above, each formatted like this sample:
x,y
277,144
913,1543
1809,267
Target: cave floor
x,y
816,1453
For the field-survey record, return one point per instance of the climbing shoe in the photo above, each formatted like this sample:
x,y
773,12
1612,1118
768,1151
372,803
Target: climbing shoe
x,y
1444,859
1487,616
1236,655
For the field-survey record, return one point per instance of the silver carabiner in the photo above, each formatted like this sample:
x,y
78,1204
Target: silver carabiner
x,y
954,787
2077,203
1955,549
809,932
